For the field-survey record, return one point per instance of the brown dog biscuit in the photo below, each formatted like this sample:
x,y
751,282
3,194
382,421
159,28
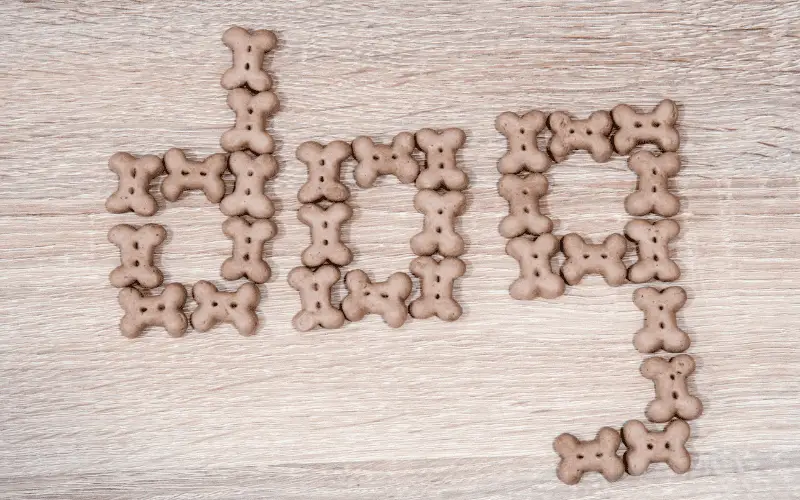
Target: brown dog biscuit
x,y
326,234
250,128
656,127
387,298
136,249
598,455
133,191
248,48
380,159
672,393
248,196
237,308
652,240
436,279
523,195
164,310
660,329
183,174
441,170
590,134
324,165
652,193
584,258
248,249
438,229
315,297
521,133
647,447
536,276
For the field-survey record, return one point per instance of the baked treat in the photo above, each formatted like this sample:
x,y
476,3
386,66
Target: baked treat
x,y
237,308
647,447
326,234
536,276
652,245
672,393
652,193
380,159
441,169
183,174
248,48
656,127
660,329
523,195
164,310
136,249
324,165
387,298
133,190
438,228
248,196
590,134
250,129
521,133
315,297
248,249
598,455
436,279
584,258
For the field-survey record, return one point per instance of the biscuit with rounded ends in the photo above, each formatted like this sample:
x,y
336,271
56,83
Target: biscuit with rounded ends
x,y
248,48
164,310
387,298
214,306
316,309
250,128
381,159
521,133
248,249
183,174
248,196
652,246
136,248
652,189
441,169
436,280
584,258
523,195
326,234
590,134
438,228
660,329
656,127
598,455
133,190
646,447
672,392
536,276
324,164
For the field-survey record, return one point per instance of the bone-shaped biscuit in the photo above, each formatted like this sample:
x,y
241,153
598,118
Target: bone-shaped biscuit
x,y
250,128
656,127
598,455
324,165
326,234
590,134
521,133
315,297
387,298
436,280
214,306
183,174
248,50
652,189
164,310
248,196
133,190
381,159
523,195
584,258
136,249
441,169
660,329
652,240
647,447
438,228
248,249
536,276
672,393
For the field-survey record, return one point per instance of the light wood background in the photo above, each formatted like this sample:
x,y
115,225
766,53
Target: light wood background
x,y
466,410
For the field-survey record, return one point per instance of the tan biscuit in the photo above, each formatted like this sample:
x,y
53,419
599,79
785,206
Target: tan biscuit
x,y
248,49
237,308
521,132
248,249
441,169
136,249
315,298
652,189
523,195
584,258
250,129
248,196
436,279
326,234
672,393
656,127
183,174
164,310
387,298
652,240
133,191
380,159
647,447
590,134
536,276
324,165
598,455
660,329
438,229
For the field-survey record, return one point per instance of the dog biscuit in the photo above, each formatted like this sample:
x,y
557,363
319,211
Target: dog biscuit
x,y
656,127
248,196
248,249
324,165
388,298
441,170
314,287
248,50
672,393
326,234
590,134
250,128
438,229
183,174
136,248
598,455
523,195
584,258
237,308
133,190
379,159
652,193
646,447
660,329
521,133
536,276
436,279
652,241
164,310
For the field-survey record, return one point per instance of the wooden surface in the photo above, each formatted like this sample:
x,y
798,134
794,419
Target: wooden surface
x,y
459,411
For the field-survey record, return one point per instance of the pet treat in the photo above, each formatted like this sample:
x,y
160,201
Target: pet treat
x,y
438,229
590,134
660,325
326,231
324,165
652,190
436,280
237,308
248,50
248,196
584,258
165,310
656,127
183,174
133,191
379,159
652,240
536,276
387,298
248,249
647,447
136,249
597,455
672,394
250,129
523,194
440,157
315,298
521,132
